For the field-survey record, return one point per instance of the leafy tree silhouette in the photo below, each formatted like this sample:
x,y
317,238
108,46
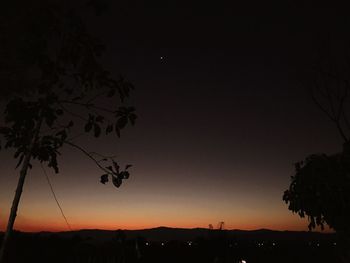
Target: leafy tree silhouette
x,y
55,86
320,187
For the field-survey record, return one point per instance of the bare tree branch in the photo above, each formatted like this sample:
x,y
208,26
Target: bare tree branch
x,y
88,155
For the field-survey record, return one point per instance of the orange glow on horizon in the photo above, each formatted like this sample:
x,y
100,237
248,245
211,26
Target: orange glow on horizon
x,y
60,228
57,226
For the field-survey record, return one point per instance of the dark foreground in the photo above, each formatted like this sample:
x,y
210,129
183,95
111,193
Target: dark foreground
x,y
212,246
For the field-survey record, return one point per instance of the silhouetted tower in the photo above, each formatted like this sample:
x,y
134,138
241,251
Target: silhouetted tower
x,y
211,227
221,225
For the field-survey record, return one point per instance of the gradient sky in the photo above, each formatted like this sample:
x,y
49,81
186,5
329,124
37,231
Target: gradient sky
x,y
222,120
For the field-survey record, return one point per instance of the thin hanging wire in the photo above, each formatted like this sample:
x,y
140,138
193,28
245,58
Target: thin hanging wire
x,y
54,195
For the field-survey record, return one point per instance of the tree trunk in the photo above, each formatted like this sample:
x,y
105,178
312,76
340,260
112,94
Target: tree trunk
x,y
19,189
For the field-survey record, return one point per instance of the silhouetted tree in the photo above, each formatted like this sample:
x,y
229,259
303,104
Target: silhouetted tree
x,y
320,188
56,90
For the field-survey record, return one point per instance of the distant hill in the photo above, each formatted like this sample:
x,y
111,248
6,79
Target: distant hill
x,y
184,234
208,245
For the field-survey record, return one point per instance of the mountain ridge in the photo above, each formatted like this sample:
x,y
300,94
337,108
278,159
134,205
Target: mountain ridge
x,y
163,233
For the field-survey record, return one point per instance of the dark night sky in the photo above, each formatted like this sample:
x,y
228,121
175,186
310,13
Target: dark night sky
x,y
222,119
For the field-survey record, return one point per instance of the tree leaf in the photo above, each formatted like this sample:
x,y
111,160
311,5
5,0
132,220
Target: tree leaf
x,y
97,130
109,129
116,181
104,178
88,127
122,122
132,118
63,134
125,175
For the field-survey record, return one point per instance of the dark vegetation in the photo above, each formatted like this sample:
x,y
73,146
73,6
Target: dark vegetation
x,y
56,90
320,187
174,245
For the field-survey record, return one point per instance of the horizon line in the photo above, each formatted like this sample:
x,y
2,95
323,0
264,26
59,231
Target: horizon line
x,y
183,228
